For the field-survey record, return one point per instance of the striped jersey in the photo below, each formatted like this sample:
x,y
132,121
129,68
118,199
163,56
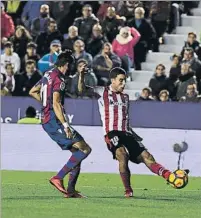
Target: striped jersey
x,y
114,109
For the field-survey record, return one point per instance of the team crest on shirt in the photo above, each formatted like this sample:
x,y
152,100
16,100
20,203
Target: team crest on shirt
x,y
62,86
117,103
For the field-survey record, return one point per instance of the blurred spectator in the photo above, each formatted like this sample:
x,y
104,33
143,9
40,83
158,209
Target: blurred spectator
x,y
59,10
128,8
187,78
192,43
45,38
159,81
3,42
14,9
175,70
30,117
4,89
112,24
30,11
9,57
89,79
148,36
124,45
104,62
30,54
194,63
10,80
97,40
75,11
20,40
7,25
191,95
103,10
146,95
80,53
48,60
27,79
71,38
175,17
188,5
164,95
160,15
86,22
40,24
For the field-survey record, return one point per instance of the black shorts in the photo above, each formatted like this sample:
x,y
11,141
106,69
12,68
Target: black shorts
x,y
132,143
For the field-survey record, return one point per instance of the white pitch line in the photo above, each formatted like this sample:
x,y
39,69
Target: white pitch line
x,y
105,187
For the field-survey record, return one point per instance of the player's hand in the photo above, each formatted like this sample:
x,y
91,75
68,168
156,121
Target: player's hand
x,y
69,133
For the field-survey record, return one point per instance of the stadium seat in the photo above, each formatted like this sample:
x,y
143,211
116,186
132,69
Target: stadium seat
x,y
135,85
174,39
151,66
184,30
141,76
158,57
196,11
133,94
171,48
193,21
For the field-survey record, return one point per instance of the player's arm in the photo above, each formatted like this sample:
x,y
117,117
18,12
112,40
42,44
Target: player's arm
x,y
58,109
58,87
35,91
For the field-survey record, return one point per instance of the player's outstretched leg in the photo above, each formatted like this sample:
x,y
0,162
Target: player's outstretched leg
x,y
122,157
79,152
155,167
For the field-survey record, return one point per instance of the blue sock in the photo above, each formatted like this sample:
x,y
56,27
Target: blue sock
x,y
73,176
74,160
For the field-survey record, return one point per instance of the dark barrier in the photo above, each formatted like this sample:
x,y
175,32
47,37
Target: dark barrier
x,y
171,115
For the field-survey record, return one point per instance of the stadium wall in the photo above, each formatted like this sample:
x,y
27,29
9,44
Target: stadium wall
x,y
29,148
170,115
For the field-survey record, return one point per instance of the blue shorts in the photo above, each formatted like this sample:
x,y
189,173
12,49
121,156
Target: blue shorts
x,y
56,132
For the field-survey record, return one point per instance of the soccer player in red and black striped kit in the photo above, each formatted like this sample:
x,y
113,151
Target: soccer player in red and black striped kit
x,y
121,140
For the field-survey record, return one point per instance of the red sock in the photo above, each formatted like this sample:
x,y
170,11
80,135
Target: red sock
x,y
160,170
125,177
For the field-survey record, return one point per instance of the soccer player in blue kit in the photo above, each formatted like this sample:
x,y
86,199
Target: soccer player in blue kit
x,y
50,90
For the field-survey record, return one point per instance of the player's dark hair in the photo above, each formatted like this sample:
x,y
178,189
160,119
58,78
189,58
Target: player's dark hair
x,y
65,57
30,112
114,72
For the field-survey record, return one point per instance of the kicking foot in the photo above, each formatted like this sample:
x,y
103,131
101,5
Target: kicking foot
x,y
58,184
74,194
128,193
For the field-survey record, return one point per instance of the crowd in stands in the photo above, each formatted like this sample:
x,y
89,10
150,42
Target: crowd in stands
x,y
102,35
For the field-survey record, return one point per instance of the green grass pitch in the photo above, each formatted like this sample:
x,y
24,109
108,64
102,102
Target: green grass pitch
x,y
29,195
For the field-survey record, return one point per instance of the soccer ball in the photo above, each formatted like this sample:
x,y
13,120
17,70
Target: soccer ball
x,y
178,179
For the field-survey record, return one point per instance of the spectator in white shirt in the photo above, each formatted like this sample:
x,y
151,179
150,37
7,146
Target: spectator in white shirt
x,y
9,57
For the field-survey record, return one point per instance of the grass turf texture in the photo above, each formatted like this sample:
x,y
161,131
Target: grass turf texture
x,y
29,195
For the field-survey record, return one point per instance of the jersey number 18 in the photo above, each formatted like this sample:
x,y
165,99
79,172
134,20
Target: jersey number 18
x,y
43,94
